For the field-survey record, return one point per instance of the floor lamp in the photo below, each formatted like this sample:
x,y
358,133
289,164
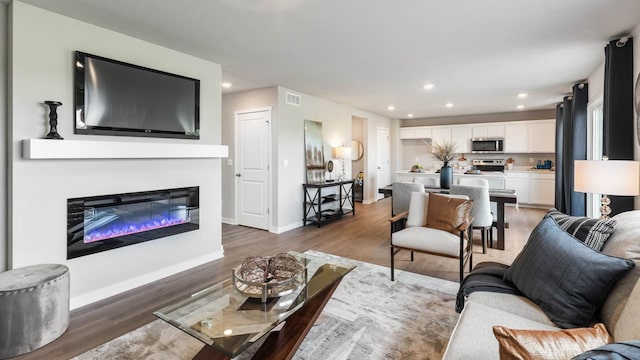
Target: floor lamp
x,y
607,177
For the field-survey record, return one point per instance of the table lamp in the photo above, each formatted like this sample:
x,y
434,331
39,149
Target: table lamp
x,y
607,177
342,152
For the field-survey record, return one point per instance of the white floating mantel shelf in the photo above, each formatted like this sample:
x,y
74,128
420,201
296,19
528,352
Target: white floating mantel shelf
x,y
81,149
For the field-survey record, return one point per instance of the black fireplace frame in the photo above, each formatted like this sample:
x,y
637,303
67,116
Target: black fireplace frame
x,y
77,211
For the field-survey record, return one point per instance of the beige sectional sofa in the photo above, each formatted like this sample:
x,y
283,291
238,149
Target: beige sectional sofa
x,y
473,337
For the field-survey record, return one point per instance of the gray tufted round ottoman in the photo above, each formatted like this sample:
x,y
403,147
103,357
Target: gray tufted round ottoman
x,y
34,307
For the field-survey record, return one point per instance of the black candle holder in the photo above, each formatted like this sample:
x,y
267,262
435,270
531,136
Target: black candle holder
x,y
53,120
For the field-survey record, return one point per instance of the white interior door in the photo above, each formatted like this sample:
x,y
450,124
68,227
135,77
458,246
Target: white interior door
x,y
383,177
252,167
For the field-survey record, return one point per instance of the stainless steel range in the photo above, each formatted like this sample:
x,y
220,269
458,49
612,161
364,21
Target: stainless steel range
x,y
489,164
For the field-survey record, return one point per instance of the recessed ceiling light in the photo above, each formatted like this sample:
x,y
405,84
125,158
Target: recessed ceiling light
x,y
520,107
522,95
409,115
428,86
226,85
449,105
391,107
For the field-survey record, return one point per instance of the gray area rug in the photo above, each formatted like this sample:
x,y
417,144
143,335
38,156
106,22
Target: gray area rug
x,y
368,317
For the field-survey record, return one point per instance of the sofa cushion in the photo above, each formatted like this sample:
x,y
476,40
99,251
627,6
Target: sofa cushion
x,y
515,304
628,326
516,344
593,232
566,278
473,338
427,239
622,243
447,213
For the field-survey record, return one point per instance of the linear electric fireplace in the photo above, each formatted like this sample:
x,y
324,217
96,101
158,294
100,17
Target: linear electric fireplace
x,y
100,223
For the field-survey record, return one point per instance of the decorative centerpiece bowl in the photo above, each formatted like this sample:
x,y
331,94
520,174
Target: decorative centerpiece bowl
x,y
267,277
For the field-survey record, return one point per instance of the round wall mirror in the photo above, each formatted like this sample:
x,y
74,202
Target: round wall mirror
x,y
358,150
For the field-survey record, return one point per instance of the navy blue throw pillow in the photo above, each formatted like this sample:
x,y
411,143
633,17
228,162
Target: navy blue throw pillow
x,y
566,278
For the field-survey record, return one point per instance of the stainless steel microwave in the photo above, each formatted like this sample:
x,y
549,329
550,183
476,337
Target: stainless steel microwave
x,y
487,145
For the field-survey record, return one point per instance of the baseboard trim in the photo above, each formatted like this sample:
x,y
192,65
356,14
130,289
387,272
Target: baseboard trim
x,y
281,229
230,221
103,293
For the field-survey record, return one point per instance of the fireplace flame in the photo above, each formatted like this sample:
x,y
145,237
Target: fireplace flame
x,y
118,230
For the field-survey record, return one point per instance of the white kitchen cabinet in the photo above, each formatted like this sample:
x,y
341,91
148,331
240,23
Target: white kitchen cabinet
x,y
520,183
461,136
542,189
415,132
515,138
407,133
542,137
488,131
440,134
423,132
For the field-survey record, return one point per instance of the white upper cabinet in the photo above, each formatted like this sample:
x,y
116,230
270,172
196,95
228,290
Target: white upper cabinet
x,y
488,131
542,137
440,134
407,133
515,138
461,136
416,132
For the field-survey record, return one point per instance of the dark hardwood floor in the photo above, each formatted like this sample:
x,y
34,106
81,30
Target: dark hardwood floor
x,y
364,237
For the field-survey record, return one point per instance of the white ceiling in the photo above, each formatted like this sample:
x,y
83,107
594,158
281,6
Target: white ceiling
x,y
370,54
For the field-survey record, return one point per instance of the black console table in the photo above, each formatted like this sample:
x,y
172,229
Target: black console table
x,y
320,209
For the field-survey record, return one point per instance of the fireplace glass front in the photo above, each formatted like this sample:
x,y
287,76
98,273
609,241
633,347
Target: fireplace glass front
x,y
100,223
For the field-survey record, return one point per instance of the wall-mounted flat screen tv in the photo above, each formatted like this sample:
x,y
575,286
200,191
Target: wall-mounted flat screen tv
x,y
116,98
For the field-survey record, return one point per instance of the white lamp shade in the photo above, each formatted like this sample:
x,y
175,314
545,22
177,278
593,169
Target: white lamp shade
x,y
343,152
609,177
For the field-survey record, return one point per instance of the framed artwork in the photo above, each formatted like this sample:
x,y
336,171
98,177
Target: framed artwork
x,y
314,152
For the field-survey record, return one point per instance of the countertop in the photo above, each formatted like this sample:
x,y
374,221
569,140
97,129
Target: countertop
x,y
523,169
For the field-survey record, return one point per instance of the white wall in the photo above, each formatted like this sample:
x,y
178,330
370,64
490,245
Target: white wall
x,y
596,82
289,137
288,144
253,99
42,62
3,136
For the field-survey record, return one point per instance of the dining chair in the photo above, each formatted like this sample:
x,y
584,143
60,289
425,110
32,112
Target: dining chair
x,y
481,210
493,205
402,194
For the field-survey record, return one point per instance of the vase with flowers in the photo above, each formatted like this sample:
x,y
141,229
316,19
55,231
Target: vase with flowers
x,y
444,152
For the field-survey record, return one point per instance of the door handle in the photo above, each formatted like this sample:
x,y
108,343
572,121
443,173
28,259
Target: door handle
x,y
238,175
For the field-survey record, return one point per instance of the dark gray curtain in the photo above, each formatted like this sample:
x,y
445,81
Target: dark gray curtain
x,y
617,142
571,144
559,202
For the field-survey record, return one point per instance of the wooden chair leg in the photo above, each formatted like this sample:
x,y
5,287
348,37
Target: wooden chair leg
x,y
412,256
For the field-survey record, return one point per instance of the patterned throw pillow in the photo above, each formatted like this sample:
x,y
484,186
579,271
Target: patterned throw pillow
x,y
593,232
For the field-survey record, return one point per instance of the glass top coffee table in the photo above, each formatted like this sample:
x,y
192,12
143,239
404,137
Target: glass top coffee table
x,y
228,321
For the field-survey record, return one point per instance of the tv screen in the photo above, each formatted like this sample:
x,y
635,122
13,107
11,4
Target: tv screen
x,y
116,98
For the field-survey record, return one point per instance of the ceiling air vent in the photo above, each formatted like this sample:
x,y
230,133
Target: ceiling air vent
x,y
294,99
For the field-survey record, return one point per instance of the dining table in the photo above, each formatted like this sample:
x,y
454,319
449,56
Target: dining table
x,y
499,196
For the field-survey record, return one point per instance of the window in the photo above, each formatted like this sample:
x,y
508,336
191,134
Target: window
x,y
594,149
